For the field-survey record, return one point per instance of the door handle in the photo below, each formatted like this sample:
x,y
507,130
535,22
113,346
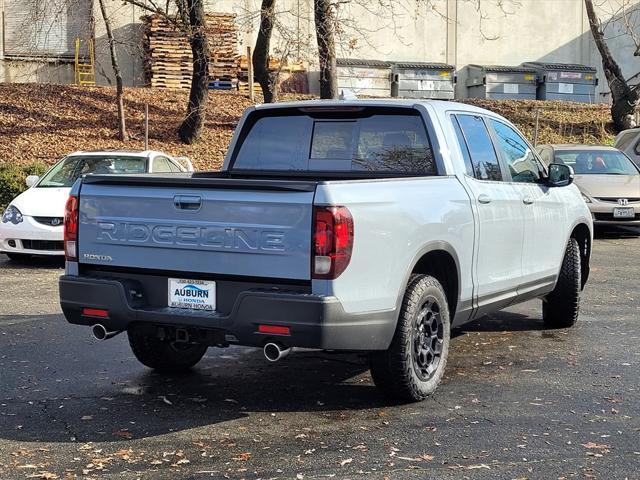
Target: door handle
x,y
527,200
187,202
484,198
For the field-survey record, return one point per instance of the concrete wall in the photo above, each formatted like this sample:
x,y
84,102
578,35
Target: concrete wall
x,y
127,30
453,31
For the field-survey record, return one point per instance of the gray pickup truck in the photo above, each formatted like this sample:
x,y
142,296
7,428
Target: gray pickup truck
x,y
370,226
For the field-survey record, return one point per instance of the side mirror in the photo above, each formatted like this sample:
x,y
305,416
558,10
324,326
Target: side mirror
x,y
32,180
560,175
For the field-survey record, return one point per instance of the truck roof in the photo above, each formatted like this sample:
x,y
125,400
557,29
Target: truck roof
x,y
131,153
578,146
439,105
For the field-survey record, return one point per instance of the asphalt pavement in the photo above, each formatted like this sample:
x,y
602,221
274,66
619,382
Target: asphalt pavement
x,y
518,401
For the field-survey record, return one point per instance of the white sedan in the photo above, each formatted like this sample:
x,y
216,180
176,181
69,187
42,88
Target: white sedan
x,y
32,223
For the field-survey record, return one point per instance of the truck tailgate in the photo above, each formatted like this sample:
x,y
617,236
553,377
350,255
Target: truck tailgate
x,y
259,228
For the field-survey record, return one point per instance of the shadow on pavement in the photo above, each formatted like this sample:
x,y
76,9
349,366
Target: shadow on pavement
x,y
106,398
615,232
97,392
28,263
503,321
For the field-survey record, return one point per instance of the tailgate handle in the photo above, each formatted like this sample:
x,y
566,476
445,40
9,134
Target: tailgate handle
x,y
187,202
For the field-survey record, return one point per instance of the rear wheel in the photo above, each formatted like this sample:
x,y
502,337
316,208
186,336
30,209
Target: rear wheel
x,y
561,307
414,364
165,355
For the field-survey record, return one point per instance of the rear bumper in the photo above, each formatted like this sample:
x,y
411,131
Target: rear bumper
x,y
314,321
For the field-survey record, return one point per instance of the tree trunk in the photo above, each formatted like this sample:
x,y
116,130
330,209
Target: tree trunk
x,y
122,126
192,14
267,80
325,34
624,98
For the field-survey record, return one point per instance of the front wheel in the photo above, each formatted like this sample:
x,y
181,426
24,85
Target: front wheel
x,y
164,355
561,307
412,367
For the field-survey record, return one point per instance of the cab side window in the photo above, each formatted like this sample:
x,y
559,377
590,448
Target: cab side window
x,y
520,159
482,156
163,165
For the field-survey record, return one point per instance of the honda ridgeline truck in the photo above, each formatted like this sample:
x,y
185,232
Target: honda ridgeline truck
x,y
368,226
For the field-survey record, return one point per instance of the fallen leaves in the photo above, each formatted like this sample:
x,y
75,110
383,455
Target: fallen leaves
x,y
603,449
423,457
44,476
593,445
124,434
45,122
243,457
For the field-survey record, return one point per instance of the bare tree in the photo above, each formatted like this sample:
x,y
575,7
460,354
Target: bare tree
x,y
325,35
191,19
192,15
268,80
122,127
624,98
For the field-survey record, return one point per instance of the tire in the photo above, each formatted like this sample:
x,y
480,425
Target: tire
x,y
560,308
19,257
164,355
408,371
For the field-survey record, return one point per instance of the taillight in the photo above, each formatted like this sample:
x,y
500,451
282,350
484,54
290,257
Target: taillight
x,y
333,241
71,229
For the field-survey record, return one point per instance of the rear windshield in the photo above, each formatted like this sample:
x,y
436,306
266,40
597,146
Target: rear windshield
x,y
597,162
68,170
366,142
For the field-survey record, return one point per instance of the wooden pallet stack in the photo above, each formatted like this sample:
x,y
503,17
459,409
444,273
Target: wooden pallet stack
x,y
222,33
292,77
168,58
243,74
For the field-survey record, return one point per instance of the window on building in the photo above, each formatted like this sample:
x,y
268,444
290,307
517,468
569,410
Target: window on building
x,y
36,28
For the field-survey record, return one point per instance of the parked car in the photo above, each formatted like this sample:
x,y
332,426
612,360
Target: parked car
x,y
370,226
628,141
608,179
32,223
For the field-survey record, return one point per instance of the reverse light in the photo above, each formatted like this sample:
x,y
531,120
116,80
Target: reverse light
x,y
71,218
333,242
12,215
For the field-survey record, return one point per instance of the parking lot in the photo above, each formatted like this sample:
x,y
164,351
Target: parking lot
x,y
517,401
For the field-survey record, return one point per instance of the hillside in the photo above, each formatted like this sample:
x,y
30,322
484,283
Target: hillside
x,y
44,122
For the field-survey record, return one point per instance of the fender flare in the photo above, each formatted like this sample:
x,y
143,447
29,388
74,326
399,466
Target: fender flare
x,y
432,246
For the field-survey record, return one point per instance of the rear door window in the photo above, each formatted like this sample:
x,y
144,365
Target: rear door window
x,y
369,141
625,139
163,165
483,155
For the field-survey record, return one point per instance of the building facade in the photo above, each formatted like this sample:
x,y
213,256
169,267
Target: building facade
x,y
38,37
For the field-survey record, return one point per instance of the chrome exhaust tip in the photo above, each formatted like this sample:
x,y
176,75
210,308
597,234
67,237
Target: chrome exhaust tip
x,y
101,333
274,352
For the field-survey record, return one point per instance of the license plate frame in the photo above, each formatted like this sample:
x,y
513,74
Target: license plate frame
x,y
189,294
624,212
